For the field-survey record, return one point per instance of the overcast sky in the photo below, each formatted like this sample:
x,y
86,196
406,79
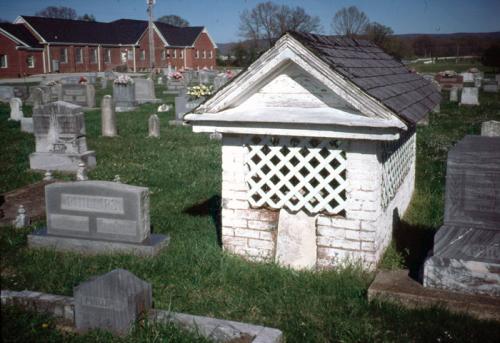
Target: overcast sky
x,y
221,17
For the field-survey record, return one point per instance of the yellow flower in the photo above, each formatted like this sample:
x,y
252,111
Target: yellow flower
x,y
45,325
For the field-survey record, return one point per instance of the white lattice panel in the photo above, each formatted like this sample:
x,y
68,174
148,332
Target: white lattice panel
x,y
296,173
397,158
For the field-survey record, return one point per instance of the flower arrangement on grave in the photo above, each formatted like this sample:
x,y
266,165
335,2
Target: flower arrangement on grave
x,y
123,80
83,80
200,91
229,74
205,68
176,76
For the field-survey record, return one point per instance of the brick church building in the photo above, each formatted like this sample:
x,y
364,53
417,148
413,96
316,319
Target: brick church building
x,y
36,45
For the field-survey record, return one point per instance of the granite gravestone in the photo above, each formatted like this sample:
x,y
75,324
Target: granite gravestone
x,y
98,217
183,106
124,96
108,117
113,301
59,129
16,112
466,253
145,91
490,128
104,83
469,96
38,97
468,77
6,93
81,95
490,86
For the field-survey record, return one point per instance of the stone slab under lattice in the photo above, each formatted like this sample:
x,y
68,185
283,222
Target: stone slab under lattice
x,y
296,242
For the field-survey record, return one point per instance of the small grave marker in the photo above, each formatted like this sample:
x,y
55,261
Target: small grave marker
x,y
113,301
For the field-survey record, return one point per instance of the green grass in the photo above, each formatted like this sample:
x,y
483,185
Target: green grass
x,y
193,275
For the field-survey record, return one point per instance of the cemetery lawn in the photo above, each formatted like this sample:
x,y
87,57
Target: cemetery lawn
x,y
193,274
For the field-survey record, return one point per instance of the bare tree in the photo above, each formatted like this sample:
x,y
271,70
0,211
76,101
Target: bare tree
x,y
269,21
378,33
349,21
173,19
87,17
60,12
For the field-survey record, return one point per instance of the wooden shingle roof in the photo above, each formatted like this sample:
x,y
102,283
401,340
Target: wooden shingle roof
x,y
378,74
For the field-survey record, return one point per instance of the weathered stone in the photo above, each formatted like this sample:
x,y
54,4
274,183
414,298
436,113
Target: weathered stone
x,y
182,106
145,91
124,97
454,94
6,93
490,128
98,216
78,94
61,145
398,287
22,219
81,173
16,112
113,301
104,83
296,241
108,117
154,126
490,87
466,253
469,96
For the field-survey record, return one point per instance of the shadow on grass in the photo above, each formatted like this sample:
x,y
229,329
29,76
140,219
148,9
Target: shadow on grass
x,y
209,207
413,242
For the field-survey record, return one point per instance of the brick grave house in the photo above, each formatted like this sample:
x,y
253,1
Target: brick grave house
x,y
318,150
35,45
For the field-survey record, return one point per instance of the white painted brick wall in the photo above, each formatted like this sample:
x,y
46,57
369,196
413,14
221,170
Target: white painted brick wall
x,y
362,235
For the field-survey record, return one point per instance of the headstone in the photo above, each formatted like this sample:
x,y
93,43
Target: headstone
x,y
124,97
466,253
220,80
98,217
490,128
81,95
37,97
61,144
145,91
468,77
477,82
469,96
16,112
6,93
454,94
104,83
27,125
22,219
296,240
183,106
70,80
490,86
108,117
113,302
81,173
154,126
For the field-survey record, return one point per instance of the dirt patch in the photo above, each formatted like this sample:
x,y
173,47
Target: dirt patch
x,y
32,197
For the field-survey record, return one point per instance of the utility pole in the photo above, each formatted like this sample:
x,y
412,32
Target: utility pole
x,y
151,35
